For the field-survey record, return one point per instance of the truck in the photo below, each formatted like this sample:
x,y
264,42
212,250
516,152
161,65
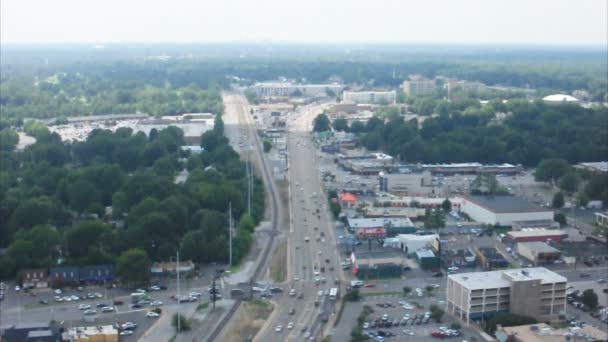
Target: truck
x,y
333,293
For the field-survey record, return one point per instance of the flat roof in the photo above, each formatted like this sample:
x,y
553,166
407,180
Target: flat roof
x,y
494,279
425,253
532,232
506,204
541,332
540,247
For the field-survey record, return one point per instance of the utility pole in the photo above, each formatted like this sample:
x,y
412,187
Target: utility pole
x,y
230,224
178,295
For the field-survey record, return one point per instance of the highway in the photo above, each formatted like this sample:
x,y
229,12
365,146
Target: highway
x,y
317,258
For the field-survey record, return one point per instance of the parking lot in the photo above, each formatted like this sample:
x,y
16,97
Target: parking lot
x,y
403,310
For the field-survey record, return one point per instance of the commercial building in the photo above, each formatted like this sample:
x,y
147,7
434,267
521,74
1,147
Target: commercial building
x,y
531,235
100,333
491,258
401,182
27,332
472,168
427,259
418,85
459,258
467,86
409,212
423,202
34,278
283,89
596,167
376,268
538,252
411,243
380,227
370,97
542,332
170,268
535,224
503,210
535,292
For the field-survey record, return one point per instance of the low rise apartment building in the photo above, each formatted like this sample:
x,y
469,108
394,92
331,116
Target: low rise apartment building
x,y
535,292
369,97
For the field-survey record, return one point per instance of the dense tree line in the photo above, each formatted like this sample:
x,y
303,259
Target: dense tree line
x,y
81,82
113,194
529,133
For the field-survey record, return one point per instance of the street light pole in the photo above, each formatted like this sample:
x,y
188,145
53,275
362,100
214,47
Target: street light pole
x,y
178,294
230,223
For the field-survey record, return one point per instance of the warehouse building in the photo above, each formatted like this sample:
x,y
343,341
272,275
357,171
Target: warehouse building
x,y
503,210
535,292
411,243
380,227
376,268
538,252
531,235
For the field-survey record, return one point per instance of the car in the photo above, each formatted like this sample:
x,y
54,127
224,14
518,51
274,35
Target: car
x,y
296,278
156,303
195,294
279,328
118,302
136,306
385,317
152,314
90,312
292,292
126,333
276,289
366,325
58,291
107,309
155,288
101,305
292,311
17,288
408,332
84,307
585,275
453,268
306,239
140,291
290,325
43,302
438,274
369,285
601,281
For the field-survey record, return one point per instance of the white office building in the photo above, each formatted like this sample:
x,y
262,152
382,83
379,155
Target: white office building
x,y
370,97
283,89
535,292
418,85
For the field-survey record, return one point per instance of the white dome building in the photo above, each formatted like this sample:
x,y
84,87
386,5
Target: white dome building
x,y
560,99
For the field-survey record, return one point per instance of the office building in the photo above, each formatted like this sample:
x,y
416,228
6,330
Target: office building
x,y
283,89
418,86
370,97
534,292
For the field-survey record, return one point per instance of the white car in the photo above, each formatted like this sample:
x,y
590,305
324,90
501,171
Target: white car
x,y
320,294
365,325
84,307
408,332
195,294
129,325
152,314
58,291
453,268
290,325
156,303
107,309
140,291
408,307
17,288
279,328
90,312
292,292
126,333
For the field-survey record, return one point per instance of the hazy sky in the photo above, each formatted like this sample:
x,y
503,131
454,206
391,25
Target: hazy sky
x,y
409,21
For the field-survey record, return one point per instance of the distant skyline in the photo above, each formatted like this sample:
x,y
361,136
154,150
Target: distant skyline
x,y
545,22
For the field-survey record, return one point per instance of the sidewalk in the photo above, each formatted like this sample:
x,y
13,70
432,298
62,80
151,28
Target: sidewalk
x,y
162,330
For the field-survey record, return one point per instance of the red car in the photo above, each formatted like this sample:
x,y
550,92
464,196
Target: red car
x,y
369,285
438,334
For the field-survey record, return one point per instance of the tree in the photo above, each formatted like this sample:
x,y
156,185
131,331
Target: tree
x,y
267,145
506,319
133,267
549,170
406,290
589,298
84,236
436,312
341,125
321,123
180,322
581,199
558,200
568,182
560,218
8,139
357,127
446,205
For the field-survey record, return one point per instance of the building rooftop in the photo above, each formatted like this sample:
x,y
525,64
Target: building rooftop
x,y
560,98
39,333
424,253
542,332
531,232
594,166
85,332
495,279
505,204
540,247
